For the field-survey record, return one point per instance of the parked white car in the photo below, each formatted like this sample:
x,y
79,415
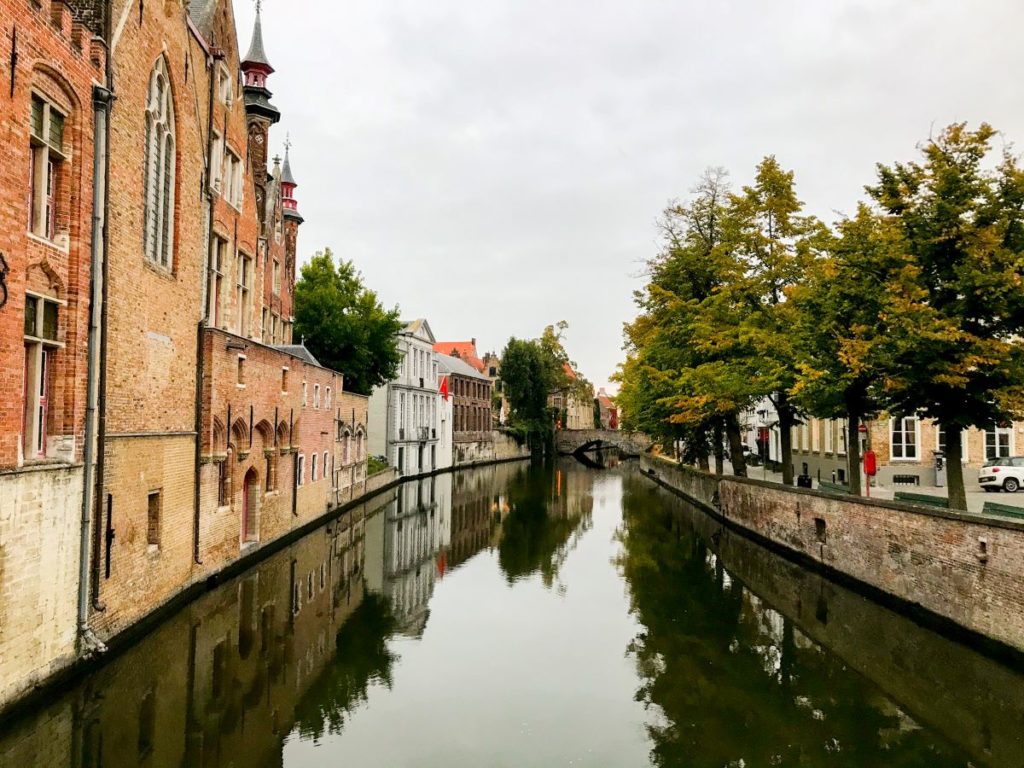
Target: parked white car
x,y
1005,474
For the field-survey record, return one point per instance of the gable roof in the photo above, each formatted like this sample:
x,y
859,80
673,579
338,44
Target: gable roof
x,y
464,350
419,327
459,367
299,351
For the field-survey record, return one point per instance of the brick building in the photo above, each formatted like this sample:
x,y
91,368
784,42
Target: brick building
x,y
464,350
52,100
470,395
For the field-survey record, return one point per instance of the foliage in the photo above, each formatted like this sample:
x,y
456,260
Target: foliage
x,y
376,464
344,325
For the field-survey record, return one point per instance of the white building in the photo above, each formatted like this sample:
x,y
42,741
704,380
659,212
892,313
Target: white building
x,y
405,413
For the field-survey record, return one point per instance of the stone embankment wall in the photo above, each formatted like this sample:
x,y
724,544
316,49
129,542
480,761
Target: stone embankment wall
x,y
963,568
492,447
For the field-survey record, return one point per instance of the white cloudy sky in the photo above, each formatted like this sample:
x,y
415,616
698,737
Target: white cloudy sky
x,y
497,165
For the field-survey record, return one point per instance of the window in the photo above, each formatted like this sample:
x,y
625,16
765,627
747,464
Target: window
x,y
273,328
159,167
47,157
232,184
316,395
215,279
326,469
244,293
222,483
841,446
300,471
224,90
815,435
997,441
217,163
265,326
41,323
276,277
327,399
312,469
904,437
153,519
241,370
830,431
303,394
284,380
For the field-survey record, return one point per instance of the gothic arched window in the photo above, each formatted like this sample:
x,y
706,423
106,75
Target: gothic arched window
x,y
158,226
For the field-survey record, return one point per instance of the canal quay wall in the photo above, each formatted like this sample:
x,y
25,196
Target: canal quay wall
x,y
962,572
952,688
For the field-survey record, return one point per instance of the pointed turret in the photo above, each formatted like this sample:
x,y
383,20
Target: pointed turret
x,y
257,69
288,185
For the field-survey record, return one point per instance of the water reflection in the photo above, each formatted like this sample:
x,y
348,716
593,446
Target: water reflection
x,y
733,681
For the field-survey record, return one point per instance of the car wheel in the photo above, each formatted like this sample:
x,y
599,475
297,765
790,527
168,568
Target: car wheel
x,y
1011,485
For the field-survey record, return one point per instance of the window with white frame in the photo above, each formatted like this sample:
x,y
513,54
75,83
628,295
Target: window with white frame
x,y
300,470
304,390
815,435
941,442
46,140
903,438
327,399
316,395
805,436
159,168
276,277
41,345
243,293
830,431
215,280
841,436
225,89
232,184
312,469
217,162
326,470
998,441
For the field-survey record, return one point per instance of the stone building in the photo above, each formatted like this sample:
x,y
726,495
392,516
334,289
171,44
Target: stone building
x,y
53,108
405,413
608,409
573,411
492,369
470,395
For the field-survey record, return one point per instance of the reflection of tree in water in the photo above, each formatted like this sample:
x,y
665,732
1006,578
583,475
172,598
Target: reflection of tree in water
x,y
550,509
733,681
362,657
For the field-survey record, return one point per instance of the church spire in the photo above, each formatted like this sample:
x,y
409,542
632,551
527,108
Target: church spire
x,y
288,185
257,69
257,55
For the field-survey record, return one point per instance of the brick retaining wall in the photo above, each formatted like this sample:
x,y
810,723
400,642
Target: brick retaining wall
x,y
963,568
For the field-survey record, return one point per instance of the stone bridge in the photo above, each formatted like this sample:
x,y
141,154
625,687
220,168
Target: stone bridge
x,y
568,441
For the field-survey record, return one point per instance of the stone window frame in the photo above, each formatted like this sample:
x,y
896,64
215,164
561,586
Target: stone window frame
x,y
41,349
159,169
300,470
50,158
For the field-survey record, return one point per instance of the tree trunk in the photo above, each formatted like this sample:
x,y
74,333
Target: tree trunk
x,y
853,451
736,457
955,468
702,462
719,451
787,418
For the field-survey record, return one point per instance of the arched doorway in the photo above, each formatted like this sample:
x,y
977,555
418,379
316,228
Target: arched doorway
x,y
250,504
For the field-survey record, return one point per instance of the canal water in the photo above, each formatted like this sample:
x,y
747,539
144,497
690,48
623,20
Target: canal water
x,y
517,616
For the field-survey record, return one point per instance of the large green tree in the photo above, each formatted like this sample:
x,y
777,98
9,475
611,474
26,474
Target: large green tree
x,y
344,324
840,327
956,312
529,375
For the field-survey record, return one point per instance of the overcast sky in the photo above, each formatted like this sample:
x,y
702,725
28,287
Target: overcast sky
x,y
498,165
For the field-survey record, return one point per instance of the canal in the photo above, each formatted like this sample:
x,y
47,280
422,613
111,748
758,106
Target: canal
x,y
518,616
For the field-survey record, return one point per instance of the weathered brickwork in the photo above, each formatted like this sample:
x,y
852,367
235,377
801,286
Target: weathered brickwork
x,y
958,566
46,188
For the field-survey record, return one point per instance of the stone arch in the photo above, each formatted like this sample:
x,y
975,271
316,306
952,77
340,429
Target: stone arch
x,y
266,433
240,436
282,435
218,437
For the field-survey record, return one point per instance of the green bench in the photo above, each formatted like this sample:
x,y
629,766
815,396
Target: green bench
x,y
1002,510
922,498
824,485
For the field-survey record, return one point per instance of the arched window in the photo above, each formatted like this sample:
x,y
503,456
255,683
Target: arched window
x,y
158,226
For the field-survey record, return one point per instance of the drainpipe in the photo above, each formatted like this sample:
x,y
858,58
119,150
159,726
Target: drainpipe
x,y
101,99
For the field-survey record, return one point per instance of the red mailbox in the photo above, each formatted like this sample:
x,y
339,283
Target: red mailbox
x,y
870,463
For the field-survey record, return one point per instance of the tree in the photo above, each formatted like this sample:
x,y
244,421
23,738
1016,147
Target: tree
x,y
776,245
344,325
528,374
955,310
839,326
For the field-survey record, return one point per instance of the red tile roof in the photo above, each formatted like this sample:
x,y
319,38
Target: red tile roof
x,y
464,350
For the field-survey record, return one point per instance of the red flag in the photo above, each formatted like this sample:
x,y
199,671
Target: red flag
x,y
444,388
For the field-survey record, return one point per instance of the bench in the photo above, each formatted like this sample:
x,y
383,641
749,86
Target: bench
x,y
824,485
1002,510
922,498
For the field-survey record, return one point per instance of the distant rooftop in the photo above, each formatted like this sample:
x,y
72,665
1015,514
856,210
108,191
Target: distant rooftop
x,y
299,351
458,366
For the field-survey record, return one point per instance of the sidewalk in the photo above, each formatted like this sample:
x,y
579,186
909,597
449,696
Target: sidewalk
x,y
976,497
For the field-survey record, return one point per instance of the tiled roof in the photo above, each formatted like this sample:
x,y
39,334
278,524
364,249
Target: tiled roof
x,y
201,12
299,351
459,367
464,350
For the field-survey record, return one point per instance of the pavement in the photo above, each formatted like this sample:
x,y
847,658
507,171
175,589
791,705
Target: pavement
x,y
976,497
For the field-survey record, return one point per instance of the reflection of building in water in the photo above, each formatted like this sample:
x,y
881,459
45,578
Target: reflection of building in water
x,y
572,492
413,536
222,682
